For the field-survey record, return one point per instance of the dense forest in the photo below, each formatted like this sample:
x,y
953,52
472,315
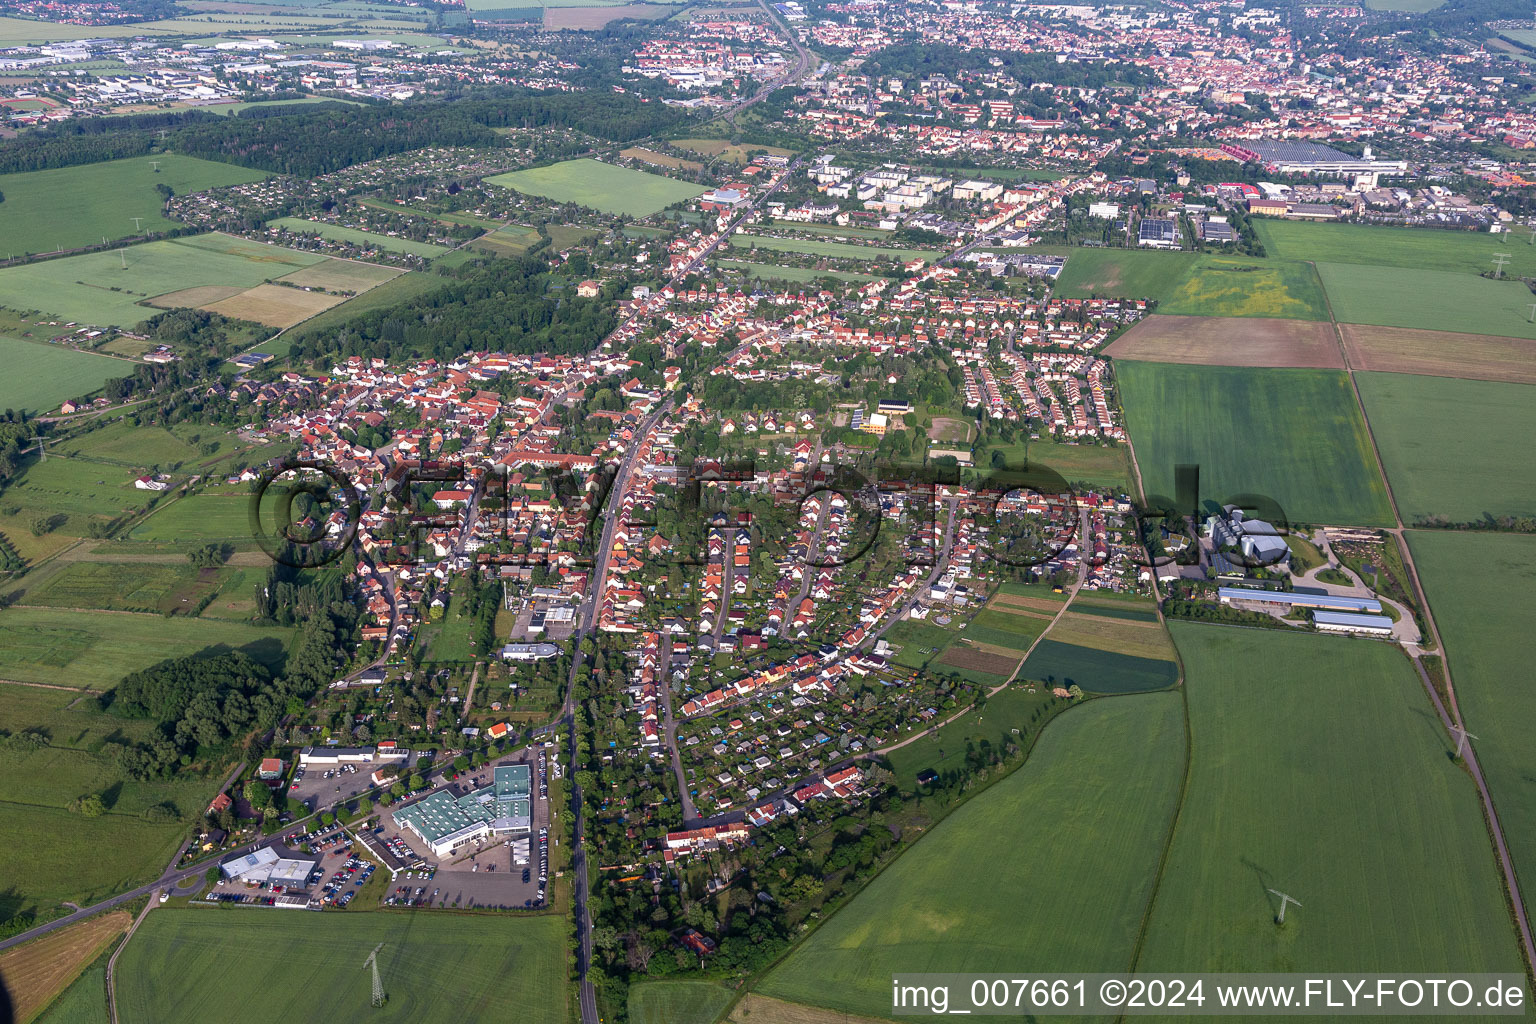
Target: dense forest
x,y
205,702
504,305
322,138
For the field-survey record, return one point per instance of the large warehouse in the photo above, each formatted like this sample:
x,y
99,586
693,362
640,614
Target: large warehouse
x,y
446,823
1288,156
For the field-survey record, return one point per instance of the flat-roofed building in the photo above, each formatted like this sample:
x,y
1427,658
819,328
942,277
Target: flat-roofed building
x,y
1349,622
447,823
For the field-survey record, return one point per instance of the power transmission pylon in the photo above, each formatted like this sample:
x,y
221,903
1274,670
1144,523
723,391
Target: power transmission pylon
x,y
378,986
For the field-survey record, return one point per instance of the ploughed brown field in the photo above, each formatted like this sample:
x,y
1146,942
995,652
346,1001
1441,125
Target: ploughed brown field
x,y
979,661
1230,341
1440,353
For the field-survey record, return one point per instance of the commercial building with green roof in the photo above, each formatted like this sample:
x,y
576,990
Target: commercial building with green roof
x,y
446,822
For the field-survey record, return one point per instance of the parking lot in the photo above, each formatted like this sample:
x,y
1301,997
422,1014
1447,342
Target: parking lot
x,y
317,786
338,874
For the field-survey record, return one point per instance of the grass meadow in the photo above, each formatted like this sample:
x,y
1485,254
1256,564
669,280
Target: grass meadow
x,y
1318,768
1295,435
600,186
40,376
1456,448
365,239
36,787
944,750
1060,663
123,586
1436,300
105,288
769,272
1072,836
103,199
677,1002
258,968
1479,590
823,247
198,519
93,649
1242,286
1122,273
1465,252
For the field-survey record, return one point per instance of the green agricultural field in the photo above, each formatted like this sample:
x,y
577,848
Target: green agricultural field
x,y
600,186
36,787
1479,590
260,968
103,199
1296,436
51,645
40,376
1434,300
1455,448
511,240
1096,671
1466,252
1318,768
998,626
1245,286
1122,273
677,1002
84,1002
1092,465
989,888
105,288
768,272
365,239
123,586
197,520
822,247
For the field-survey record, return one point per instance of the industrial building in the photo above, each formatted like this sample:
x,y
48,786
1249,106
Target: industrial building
x,y
1286,600
446,823
1285,156
1347,622
1260,543
1158,233
267,865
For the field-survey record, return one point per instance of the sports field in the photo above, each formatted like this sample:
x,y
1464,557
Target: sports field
x,y
1467,252
51,645
600,186
1294,435
1317,768
1457,448
1246,286
1440,353
1230,341
1122,273
39,375
258,967
677,1002
822,247
103,199
1435,300
105,288
1479,590
990,887
365,239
